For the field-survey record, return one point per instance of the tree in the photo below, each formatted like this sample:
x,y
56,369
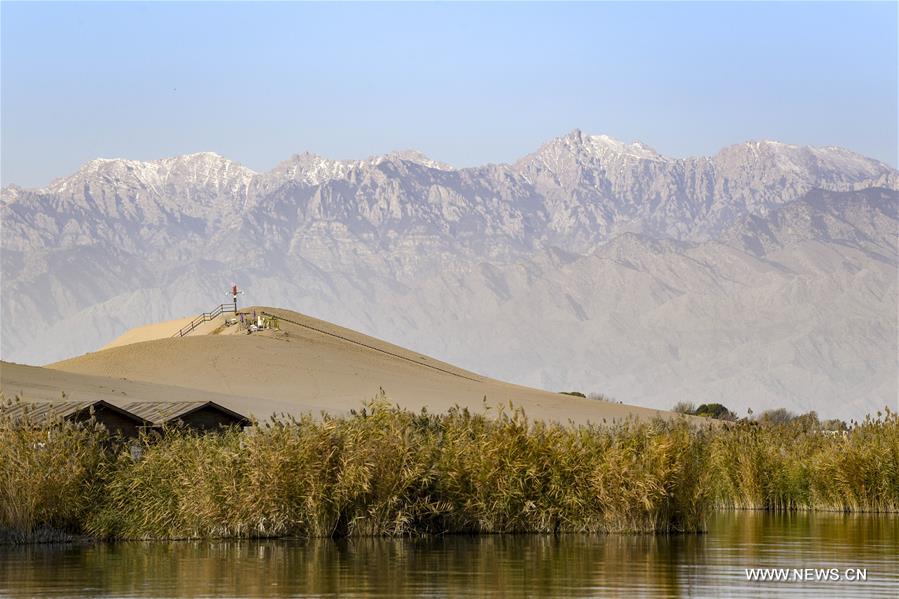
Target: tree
x,y
778,416
715,410
684,407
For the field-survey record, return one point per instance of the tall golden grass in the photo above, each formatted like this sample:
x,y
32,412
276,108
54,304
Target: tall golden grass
x,y
795,465
51,478
388,471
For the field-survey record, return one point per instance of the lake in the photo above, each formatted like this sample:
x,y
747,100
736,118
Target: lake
x,y
711,564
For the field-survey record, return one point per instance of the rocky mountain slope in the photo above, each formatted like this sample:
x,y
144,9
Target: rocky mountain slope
x,y
762,276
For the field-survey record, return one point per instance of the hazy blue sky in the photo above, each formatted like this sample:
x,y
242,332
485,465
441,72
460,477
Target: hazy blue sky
x,y
464,83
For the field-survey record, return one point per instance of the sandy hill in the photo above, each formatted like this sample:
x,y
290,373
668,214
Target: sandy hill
x,y
32,383
309,365
164,330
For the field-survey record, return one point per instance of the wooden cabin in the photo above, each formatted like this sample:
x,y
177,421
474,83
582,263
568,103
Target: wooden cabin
x,y
116,420
204,416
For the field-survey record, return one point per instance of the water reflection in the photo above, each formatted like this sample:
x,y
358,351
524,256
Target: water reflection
x,y
528,565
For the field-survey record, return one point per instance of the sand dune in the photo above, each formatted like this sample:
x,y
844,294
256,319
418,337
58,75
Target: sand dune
x,y
32,383
164,330
310,365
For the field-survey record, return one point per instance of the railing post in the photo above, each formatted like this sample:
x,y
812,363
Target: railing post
x,y
205,317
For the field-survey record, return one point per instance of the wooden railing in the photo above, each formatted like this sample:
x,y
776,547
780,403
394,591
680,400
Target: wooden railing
x,y
204,317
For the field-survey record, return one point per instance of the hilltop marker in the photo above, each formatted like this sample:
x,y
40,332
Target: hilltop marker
x,y
234,293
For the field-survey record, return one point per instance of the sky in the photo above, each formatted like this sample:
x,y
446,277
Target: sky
x,y
464,83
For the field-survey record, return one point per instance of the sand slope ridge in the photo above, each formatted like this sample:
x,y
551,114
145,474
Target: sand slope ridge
x,y
166,330
315,363
33,383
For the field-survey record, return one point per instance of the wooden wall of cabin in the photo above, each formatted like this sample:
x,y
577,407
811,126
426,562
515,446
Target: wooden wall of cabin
x,y
114,422
208,419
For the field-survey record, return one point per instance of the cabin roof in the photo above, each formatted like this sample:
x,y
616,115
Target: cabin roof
x,y
43,412
160,412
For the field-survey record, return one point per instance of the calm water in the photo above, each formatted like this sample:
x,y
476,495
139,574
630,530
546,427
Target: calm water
x,y
526,565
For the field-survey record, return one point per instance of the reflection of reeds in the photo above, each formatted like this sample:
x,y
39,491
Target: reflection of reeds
x,y
388,471
461,565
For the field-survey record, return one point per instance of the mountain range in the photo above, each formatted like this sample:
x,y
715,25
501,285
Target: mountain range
x,y
763,276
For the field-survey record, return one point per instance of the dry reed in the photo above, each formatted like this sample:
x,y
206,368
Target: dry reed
x,y
388,471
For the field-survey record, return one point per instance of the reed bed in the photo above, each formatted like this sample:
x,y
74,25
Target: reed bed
x,y
388,471
51,479
796,465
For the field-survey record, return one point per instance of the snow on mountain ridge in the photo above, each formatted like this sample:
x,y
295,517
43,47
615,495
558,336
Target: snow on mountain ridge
x,y
310,169
569,246
637,149
575,192
313,169
207,170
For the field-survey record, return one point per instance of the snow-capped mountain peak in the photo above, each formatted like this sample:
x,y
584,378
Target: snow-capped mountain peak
x,y
199,169
828,167
416,157
603,144
310,169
